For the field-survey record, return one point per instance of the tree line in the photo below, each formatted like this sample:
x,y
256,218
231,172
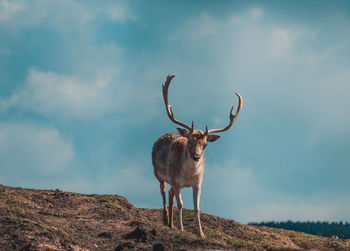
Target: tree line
x,y
328,229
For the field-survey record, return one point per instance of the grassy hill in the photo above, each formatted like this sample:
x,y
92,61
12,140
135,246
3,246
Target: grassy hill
x,y
55,220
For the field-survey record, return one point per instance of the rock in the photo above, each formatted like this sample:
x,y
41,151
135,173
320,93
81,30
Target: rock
x,y
124,246
104,235
139,234
154,232
158,247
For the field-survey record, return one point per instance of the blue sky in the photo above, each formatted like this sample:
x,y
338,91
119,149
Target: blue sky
x,y
81,102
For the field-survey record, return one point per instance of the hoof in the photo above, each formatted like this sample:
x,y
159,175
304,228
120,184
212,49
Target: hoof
x,y
202,235
171,226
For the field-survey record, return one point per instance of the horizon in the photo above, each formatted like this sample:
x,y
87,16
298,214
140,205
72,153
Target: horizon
x,y
81,100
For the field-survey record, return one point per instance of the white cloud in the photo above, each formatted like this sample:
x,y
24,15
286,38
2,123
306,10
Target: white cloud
x,y
239,194
269,63
94,86
125,180
31,149
53,94
231,187
65,15
236,181
281,42
133,180
120,11
8,8
332,210
83,97
256,13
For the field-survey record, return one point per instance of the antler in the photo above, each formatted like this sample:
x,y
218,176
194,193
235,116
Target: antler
x,y
169,108
232,117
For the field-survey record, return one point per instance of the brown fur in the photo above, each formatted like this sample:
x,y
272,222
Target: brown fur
x,y
168,143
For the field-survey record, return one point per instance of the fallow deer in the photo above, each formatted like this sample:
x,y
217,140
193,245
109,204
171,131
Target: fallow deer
x,y
178,160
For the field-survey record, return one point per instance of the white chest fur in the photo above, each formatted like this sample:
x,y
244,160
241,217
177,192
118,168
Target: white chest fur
x,y
191,173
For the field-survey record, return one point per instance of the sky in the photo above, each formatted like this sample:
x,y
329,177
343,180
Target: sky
x,y
81,102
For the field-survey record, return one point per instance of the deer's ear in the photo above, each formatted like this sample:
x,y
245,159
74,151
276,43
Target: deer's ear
x,y
183,132
213,137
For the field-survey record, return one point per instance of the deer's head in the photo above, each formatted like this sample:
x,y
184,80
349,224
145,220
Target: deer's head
x,y
197,140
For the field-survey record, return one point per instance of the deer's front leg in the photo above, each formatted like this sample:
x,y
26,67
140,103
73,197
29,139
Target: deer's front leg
x,y
179,205
196,198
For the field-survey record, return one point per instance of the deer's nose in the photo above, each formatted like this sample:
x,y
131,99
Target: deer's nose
x,y
198,151
195,157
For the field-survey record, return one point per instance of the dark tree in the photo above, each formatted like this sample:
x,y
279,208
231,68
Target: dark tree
x,y
327,229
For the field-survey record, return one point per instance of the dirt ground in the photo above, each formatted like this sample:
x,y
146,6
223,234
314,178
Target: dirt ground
x,y
55,220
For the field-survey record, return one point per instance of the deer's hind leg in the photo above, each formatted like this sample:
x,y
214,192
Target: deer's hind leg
x,y
165,209
171,207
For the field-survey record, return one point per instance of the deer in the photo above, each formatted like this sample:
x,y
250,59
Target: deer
x,y
178,159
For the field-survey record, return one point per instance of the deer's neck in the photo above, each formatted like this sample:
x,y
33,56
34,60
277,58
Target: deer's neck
x,y
190,166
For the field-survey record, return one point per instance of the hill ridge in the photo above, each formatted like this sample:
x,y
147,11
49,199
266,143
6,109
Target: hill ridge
x,y
32,219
